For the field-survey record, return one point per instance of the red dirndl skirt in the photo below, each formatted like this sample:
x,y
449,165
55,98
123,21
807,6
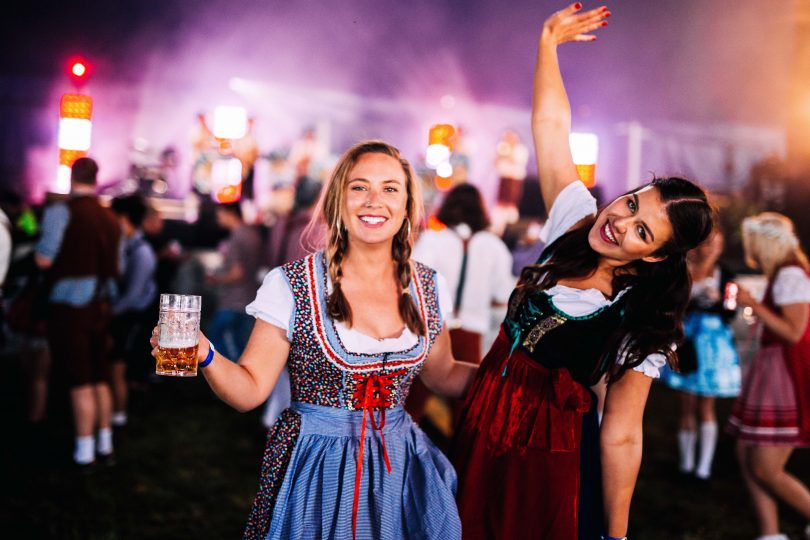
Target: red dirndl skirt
x,y
522,455
773,408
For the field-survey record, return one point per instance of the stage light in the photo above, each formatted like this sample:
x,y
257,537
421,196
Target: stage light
x,y
78,70
436,154
584,151
434,224
444,169
76,106
226,180
62,179
439,145
443,183
230,122
74,135
441,134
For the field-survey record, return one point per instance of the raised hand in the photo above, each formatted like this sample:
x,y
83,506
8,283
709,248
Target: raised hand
x,y
569,24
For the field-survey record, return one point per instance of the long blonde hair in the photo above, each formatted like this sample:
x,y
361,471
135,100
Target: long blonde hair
x,y
769,240
335,241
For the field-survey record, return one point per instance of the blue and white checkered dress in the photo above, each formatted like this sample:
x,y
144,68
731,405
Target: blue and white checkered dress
x,y
347,412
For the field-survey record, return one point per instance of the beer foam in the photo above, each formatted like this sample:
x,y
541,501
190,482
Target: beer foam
x,y
177,343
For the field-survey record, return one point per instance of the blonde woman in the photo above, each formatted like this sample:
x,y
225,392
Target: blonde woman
x,y
772,414
354,324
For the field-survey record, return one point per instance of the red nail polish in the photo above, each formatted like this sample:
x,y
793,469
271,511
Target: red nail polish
x,y
577,6
608,14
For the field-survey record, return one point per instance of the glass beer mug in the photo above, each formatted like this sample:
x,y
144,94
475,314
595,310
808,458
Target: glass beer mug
x,y
178,335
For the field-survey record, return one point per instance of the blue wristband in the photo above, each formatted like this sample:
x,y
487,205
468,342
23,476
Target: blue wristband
x,y
613,538
209,358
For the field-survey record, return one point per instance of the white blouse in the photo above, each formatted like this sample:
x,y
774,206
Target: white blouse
x,y
275,304
573,204
791,286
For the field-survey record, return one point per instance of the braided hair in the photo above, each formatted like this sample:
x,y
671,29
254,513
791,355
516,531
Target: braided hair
x,y
336,242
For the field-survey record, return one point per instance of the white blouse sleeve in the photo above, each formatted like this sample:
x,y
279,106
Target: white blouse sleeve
x,y
274,302
651,366
572,204
445,297
791,286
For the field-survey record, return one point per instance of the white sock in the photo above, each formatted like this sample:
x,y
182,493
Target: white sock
x,y
105,442
708,442
686,446
85,451
119,419
773,537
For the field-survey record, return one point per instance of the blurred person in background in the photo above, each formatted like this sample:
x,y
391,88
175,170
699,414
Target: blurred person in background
x,y
511,160
246,150
286,243
235,281
167,249
477,266
771,416
25,300
135,306
709,366
6,252
79,247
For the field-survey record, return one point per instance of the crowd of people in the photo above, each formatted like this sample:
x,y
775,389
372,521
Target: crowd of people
x,y
345,342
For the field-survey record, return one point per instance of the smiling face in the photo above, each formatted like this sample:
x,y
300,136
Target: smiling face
x,y
632,227
375,200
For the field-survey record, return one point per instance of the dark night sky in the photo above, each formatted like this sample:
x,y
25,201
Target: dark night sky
x,y
697,59
694,61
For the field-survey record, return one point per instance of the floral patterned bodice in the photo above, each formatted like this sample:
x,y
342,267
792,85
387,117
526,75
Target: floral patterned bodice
x,y
324,372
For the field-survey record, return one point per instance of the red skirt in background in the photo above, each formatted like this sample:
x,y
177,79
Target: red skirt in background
x,y
773,408
518,452
466,347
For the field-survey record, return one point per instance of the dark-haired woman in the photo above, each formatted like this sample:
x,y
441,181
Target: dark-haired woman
x,y
606,299
354,324
477,267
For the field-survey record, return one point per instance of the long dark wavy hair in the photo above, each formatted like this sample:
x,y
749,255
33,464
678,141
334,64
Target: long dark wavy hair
x,y
658,291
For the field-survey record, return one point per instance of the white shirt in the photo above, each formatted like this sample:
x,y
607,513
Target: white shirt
x,y
791,286
488,275
574,203
5,246
275,304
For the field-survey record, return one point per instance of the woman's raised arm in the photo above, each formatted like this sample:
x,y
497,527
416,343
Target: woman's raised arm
x,y
551,112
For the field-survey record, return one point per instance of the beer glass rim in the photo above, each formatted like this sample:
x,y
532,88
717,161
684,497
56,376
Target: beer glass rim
x,y
180,302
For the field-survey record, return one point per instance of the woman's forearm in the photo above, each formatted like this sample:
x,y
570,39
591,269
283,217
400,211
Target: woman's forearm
x,y
231,382
549,101
454,381
620,466
782,327
551,123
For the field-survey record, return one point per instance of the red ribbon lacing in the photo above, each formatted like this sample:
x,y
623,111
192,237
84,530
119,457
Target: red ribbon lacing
x,y
372,392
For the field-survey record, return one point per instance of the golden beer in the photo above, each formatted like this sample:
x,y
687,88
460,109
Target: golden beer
x,y
177,361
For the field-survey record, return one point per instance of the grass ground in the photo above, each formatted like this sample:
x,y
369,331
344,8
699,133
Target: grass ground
x,y
188,468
